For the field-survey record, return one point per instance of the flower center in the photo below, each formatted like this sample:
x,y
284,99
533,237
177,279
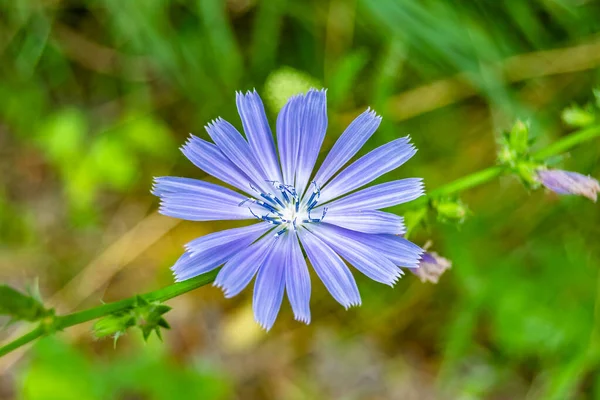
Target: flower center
x,y
286,210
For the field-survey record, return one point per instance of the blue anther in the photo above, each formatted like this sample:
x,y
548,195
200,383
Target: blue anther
x,y
266,218
274,199
316,193
281,232
317,188
241,203
291,190
315,220
267,206
267,196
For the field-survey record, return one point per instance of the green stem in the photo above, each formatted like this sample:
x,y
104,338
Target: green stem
x,y
65,321
177,289
464,183
564,144
488,174
22,340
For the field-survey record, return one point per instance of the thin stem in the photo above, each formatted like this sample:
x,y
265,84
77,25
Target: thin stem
x,y
486,175
177,289
22,340
464,183
65,321
564,144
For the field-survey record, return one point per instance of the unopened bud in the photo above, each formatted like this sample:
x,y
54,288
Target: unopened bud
x,y
567,182
519,138
578,117
431,267
451,210
114,324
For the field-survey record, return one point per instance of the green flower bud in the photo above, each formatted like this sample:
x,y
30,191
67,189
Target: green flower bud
x,y
578,117
150,317
451,210
114,324
527,171
518,138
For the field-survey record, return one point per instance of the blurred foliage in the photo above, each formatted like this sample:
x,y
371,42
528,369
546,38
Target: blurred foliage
x,y
96,96
58,372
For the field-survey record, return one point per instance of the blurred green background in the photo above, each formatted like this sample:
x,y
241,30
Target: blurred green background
x,y
97,96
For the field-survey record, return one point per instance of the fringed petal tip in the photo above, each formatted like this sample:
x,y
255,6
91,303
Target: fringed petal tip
x,y
213,124
348,306
248,93
305,319
219,285
160,186
310,91
373,114
410,146
186,144
396,278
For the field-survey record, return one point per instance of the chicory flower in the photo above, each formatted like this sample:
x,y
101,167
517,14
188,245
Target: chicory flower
x,y
327,215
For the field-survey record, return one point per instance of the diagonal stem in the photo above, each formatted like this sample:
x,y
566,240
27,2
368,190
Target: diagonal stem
x,y
65,321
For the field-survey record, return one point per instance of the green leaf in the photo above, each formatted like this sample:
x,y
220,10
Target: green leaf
x,y
20,306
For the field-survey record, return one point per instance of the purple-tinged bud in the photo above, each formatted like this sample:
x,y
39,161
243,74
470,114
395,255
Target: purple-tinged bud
x,y
566,182
431,267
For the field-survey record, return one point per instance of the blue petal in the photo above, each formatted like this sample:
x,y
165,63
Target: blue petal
x,y
258,132
195,200
208,252
369,167
269,286
331,269
189,265
288,137
348,144
210,159
379,196
313,127
241,268
398,250
246,234
297,280
367,221
364,258
235,147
